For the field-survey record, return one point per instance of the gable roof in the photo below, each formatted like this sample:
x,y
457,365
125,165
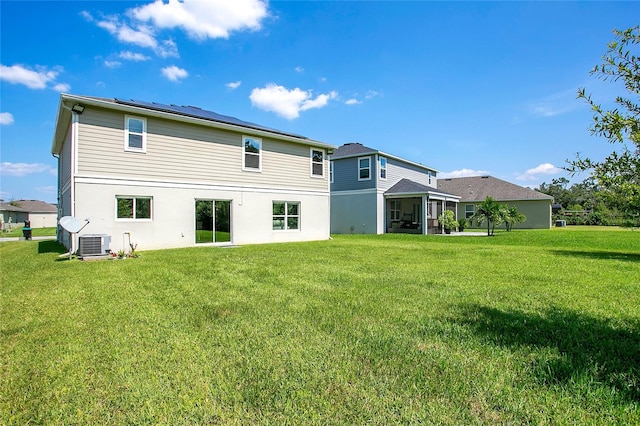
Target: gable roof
x,y
407,186
356,149
189,114
37,206
11,208
478,188
352,149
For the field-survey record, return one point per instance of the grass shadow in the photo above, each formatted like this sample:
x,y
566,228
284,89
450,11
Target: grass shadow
x,y
600,255
51,246
588,347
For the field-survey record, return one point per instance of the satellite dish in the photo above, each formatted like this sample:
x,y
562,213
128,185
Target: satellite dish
x,y
71,224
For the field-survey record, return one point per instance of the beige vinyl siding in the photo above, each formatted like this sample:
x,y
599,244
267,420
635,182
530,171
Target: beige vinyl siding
x,y
181,152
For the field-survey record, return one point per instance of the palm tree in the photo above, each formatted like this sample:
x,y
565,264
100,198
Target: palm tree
x,y
512,216
489,210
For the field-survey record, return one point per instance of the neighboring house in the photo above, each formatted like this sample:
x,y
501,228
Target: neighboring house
x,y
12,215
41,214
373,192
176,176
473,190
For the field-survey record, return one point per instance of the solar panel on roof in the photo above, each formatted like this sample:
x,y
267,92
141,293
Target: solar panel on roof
x,y
197,112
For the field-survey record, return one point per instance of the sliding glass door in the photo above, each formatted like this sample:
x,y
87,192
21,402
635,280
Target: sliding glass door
x,y
213,221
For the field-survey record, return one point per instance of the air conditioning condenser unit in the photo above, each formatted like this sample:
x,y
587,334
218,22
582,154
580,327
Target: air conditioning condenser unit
x,y
94,245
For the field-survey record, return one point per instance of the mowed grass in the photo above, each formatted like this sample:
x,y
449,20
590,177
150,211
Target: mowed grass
x,y
36,232
537,327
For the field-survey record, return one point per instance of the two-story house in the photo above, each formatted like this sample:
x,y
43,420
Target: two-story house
x,y
177,176
373,192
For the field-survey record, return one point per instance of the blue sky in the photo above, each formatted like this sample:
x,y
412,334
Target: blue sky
x,y
463,87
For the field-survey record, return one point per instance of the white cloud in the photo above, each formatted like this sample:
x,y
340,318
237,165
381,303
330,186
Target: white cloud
x,y
542,169
352,101
168,49
23,169
6,118
62,88
174,73
204,19
288,103
233,85
299,69
112,64
140,35
18,74
463,173
131,56
371,94
555,104
86,15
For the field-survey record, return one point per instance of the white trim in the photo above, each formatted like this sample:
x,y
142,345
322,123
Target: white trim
x,y
244,154
324,155
134,219
356,192
231,232
127,147
380,168
331,171
370,168
286,216
182,185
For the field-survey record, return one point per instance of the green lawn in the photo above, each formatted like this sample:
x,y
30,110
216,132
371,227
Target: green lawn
x,y
35,232
538,327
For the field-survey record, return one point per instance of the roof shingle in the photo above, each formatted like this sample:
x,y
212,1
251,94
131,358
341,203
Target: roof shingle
x,y
352,149
407,186
478,188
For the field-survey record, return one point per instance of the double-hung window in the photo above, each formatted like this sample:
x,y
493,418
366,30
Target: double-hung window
x,y
251,153
364,168
135,208
286,215
469,209
135,134
317,163
383,168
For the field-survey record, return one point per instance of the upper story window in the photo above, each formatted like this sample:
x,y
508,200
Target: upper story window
x,y
317,163
135,134
136,208
383,168
252,153
331,172
431,175
364,168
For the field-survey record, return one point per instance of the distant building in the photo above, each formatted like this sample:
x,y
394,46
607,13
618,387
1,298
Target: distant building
x,y
373,192
535,205
13,215
41,214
